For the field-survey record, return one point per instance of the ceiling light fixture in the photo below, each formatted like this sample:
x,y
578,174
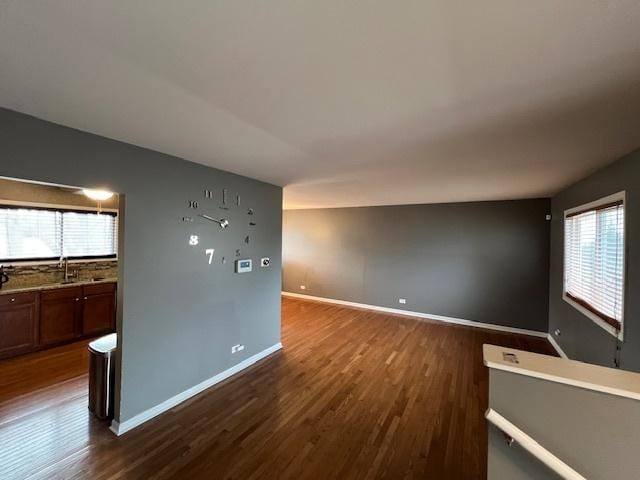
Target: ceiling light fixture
x,y
99,195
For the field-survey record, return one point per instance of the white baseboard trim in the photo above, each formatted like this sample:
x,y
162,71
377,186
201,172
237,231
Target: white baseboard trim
x,y
556,346
139,419
439,318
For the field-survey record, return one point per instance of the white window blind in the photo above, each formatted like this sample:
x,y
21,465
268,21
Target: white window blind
x,y
594,261
43,234
28,233
88,234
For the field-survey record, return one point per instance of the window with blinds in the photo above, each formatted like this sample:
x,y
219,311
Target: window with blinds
x,y
594,260
32,234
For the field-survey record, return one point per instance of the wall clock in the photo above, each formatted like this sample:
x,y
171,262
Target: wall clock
x,y
221,215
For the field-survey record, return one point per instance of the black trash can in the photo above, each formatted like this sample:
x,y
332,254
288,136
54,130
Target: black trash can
x,y
102,376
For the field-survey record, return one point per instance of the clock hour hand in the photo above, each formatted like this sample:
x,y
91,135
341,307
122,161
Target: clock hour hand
x,y
223,222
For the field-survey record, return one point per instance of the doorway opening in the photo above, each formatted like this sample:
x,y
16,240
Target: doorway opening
x,y
59,267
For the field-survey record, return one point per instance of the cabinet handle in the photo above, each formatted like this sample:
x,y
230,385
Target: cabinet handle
x,y
85,298
77,299
13,299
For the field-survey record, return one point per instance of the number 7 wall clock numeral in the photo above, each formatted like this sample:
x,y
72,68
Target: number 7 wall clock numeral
x,y
209,252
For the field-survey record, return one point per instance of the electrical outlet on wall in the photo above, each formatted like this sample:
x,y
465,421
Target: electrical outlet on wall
x,y
237,348
402,300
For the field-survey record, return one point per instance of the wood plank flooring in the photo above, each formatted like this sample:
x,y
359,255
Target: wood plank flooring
x,y
354,395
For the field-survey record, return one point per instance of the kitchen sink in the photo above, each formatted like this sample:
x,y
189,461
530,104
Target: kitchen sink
x,y
74,281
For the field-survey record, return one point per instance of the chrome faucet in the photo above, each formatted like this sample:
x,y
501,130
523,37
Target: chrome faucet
x,y
64,262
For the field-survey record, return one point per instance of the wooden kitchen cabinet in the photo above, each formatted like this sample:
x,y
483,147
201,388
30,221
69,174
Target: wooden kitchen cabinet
x,y
18,323
43,319
99,309
60,315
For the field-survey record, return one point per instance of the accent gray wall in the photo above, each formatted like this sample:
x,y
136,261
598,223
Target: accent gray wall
x,y
580,338
480,261
593,432
180,316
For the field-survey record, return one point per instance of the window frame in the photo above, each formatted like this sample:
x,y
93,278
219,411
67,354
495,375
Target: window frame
x,y
17,205
582,306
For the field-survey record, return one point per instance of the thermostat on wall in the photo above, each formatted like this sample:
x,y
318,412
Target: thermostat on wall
x,y
244,266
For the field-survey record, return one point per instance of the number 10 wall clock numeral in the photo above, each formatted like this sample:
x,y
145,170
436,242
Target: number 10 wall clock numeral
x,y
209,252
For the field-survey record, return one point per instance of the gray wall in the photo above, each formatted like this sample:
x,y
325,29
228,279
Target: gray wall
x,y
580,338
594,433
483,261
513,462
180,316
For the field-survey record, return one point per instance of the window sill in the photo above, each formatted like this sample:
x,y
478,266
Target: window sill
x,y
595,319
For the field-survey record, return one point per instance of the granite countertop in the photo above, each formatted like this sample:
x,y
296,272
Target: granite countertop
x,y
7,290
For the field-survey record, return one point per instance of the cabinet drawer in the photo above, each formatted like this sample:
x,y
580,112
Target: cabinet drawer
x,y
18,298
61,293
99,288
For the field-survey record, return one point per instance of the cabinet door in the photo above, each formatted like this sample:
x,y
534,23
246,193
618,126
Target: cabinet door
x,y
60,315
18,324
99,315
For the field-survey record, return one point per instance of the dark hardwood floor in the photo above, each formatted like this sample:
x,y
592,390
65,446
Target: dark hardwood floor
x,y
354,394
41,380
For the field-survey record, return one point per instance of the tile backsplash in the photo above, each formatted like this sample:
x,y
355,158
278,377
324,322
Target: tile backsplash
x,y
23,276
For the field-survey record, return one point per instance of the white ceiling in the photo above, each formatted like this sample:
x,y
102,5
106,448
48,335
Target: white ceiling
x,y
342,102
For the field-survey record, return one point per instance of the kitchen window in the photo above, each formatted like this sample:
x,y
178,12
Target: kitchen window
x,y
42,234
594,267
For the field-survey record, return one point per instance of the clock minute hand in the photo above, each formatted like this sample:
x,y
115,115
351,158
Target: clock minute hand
x,y
223,222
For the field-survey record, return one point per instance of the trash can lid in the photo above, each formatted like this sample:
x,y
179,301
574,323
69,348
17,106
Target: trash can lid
x,y
106,344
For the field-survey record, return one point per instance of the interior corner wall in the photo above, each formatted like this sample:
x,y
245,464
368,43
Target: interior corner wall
x,y
482,261
581,338
179,314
